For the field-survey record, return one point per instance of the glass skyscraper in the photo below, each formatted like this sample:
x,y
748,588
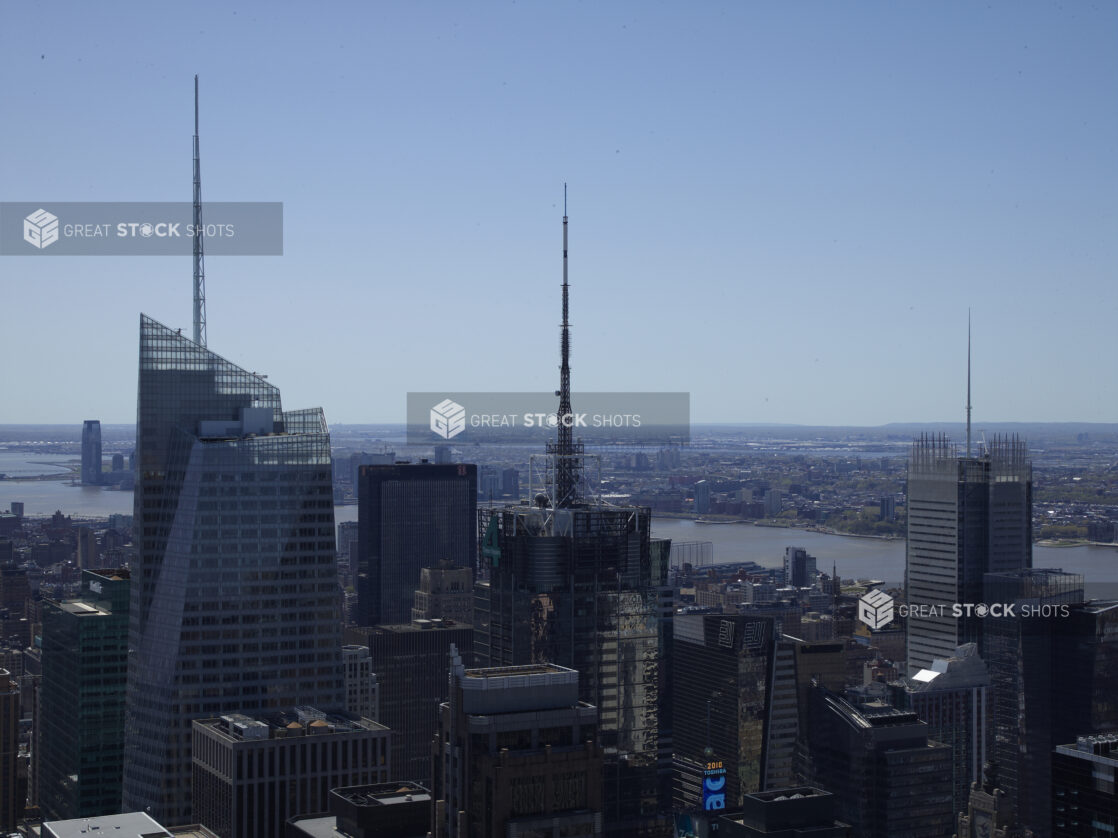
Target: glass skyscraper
x,y
582,587
411,516
91,452
722,685
81,698
967,516
235,600
1023,652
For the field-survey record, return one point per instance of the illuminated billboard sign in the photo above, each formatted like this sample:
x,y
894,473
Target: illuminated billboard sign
x,y
714,786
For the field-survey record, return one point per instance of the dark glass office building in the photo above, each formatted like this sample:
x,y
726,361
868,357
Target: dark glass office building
x,y
888,779
1085,679
412,664
235,601
80,756
1085,787
955,699
517,755
1022,654
581,587
722,697
410,516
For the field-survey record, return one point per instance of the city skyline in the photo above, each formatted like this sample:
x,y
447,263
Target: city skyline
x,y
810,201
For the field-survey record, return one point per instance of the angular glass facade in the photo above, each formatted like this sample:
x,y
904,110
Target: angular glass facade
x,y
235,599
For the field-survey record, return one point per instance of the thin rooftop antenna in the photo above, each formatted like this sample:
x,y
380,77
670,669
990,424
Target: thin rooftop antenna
x,y
199,255
968,383
565,464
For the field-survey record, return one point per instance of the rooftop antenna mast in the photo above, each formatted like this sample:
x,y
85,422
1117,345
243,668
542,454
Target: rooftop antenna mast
x,y
199,256
968,383
566,465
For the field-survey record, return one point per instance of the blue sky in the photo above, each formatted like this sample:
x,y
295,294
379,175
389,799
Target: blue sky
x,y
784,208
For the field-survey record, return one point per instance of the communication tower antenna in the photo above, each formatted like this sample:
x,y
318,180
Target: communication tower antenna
x,y
968,383
199,255
566,464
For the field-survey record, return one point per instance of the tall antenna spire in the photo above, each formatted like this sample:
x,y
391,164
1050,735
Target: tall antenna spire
x,y
199,256
566,465
968,383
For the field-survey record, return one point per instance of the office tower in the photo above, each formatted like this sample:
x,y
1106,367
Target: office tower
x,y
785,813
445,593
773,503
235,601
11,803
888,779
1020,651
410,517
887,508
362,690
411,662
510,483
1085,677
381,810
251,775
91,452
364,458
1085,787
87,553
577,587
574,581
797,665
347,541
488,483
80,754
955,699
15,590
967,516
517,755
799,567
702,497
722,699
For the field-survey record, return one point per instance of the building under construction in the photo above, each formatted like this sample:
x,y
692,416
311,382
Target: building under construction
x,y
574,581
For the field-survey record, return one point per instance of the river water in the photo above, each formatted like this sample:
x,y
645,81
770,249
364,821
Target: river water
x,y
855,558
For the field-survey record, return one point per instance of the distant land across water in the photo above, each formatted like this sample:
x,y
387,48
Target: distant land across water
x,y
854,557
71,432
865,558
